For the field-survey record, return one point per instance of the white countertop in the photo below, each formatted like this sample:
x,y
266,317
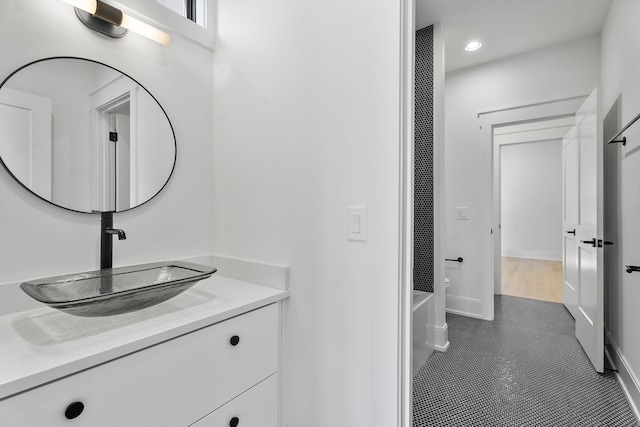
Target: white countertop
x,y
42,345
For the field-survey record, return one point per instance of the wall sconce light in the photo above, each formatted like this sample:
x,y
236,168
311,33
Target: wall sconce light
x,y
112,22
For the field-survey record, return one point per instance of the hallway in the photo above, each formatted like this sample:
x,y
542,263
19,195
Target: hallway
x,y
532,278
525,368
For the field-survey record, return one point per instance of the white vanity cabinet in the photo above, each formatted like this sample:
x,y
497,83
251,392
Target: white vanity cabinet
x,y
257,407
215,373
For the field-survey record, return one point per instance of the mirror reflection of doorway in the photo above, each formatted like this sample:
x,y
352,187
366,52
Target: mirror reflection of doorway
x,y
119,157
113,132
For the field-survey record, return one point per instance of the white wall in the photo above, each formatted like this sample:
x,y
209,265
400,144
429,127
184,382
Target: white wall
x,y
621,93
561,71
39,239
531,199
307,121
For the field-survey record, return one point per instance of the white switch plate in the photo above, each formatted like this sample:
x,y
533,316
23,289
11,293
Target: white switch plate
x,y
462,213
357,223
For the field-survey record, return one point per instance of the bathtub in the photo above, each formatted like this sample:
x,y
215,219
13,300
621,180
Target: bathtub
x,y
423,331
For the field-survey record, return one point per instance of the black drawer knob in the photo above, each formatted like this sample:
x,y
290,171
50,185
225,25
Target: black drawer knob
x,y
234,340
234,422
74,410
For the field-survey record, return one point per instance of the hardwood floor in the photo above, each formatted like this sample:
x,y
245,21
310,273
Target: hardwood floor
x,y
532,278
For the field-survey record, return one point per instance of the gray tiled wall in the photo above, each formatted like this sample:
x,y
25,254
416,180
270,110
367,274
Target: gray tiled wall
x,y
423,166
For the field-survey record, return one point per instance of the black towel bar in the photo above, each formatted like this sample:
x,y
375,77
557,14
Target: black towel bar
x,y
615,139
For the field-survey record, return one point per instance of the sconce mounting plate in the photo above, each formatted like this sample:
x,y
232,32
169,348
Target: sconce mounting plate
x,y
100,25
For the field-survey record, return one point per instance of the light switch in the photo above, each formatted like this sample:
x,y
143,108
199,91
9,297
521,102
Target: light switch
x,y
462,213
357,223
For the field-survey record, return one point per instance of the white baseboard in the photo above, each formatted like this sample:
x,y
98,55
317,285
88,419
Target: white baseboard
x,y
469,307
531,254
440,337
625,375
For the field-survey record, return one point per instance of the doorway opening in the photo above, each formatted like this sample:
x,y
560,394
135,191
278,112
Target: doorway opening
x,y
547,121
531,210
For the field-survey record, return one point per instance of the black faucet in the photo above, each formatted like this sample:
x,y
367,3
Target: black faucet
x,y
106,239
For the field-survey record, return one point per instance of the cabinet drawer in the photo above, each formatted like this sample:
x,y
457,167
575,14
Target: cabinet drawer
x,y
171,384
257,407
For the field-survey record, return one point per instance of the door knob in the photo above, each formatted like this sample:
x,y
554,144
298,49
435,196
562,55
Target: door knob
x,y
572,232
631,268
591,242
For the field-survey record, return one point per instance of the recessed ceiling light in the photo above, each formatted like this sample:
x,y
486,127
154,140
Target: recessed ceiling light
x,y
471,46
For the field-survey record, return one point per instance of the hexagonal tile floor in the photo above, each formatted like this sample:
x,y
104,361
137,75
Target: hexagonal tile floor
x,y
526,368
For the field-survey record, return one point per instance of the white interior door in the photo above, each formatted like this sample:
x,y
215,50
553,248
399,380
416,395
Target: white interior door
x,y
589,232
570,207
25,139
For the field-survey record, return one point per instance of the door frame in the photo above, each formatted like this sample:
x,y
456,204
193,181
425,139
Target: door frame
x,y
441,342
529,132
488,121
406,77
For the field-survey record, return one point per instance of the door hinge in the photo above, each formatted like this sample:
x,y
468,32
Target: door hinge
x,y
113,136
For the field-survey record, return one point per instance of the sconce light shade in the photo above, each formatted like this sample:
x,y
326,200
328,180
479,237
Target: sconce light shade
x,y
111,21
88,6
145,30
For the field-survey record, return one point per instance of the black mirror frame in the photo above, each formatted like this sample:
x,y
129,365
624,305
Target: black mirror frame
x,y
175,157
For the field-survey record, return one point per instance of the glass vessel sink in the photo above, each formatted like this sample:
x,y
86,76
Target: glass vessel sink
x,y
116,290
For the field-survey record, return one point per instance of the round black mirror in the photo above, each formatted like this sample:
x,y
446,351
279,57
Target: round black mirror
x,y
84,136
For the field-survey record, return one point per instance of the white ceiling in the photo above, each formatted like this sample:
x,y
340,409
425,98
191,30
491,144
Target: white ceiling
x,y
508,27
